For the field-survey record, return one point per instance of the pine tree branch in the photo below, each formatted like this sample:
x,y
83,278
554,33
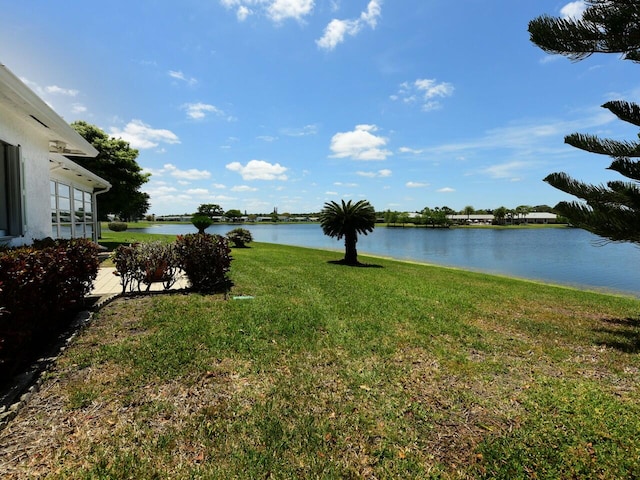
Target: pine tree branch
x,y
593,144
626,167
606,26
625,111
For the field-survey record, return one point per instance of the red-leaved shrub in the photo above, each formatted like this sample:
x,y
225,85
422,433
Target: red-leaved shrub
x,y
41,289
206,260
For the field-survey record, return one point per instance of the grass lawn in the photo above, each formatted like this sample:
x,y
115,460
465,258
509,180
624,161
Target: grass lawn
x,y
394,371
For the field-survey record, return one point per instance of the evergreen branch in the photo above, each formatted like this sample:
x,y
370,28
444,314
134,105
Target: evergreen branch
x,y
626,167
593,144
625,111
563,182
606,26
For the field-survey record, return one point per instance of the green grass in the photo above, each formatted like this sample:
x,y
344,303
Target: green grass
x,y
111,240
398,370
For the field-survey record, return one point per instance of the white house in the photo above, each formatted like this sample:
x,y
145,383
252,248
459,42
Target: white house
x,y
42,192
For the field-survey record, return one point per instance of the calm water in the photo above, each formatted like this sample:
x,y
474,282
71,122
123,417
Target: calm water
x,y
557,255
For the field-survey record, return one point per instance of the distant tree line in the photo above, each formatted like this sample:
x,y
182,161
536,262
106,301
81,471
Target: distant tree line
x,y
440,216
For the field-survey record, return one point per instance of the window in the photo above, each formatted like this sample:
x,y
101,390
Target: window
x,y
71,211
11,223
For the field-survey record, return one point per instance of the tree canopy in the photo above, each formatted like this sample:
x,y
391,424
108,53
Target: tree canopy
x,y
606,26
611,210
210,210
348,220
116,163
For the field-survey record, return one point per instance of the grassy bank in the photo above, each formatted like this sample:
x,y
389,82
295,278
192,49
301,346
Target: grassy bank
x,y
393,371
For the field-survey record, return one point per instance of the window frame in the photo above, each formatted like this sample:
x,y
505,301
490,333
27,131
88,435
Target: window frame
x,y
11,191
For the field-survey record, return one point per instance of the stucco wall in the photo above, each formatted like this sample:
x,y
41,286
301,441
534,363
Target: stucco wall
x,y
35,175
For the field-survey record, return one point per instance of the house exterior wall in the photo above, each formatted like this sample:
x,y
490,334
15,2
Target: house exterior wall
x,y
34,154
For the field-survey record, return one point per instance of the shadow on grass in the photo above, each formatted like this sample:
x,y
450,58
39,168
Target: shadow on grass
x,y
357,265
623,334
111,246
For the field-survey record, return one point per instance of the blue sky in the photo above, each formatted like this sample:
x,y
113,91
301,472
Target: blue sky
x,y
256,104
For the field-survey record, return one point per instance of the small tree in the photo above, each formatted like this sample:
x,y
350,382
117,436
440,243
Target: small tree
x,y
201,222
468,211
117,163
348,220
499,215
239,237
233,215
210,210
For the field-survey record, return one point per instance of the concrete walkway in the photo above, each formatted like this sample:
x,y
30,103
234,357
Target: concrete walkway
x,y
108,284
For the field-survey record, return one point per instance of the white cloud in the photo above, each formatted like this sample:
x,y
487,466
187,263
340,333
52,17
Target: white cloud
x,y
532,139
258,170
409,150
267,138
446,190
573,9
219,186
373,12
300,132
190,174
243,12
360,144
142,136
243,188
384,173
424,91
336,30
67,92
333,194
416,185
198,192
199,110
280,10
276,10
78,108
350,185
178,75
510,170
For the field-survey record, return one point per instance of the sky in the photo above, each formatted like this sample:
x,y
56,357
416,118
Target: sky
x,y
288,104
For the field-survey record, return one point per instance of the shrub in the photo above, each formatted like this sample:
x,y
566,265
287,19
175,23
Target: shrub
x,y
201,222
239,237
145,263
117,226
40,290
206,260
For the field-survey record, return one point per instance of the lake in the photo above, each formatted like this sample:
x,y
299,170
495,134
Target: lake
x,y
567,256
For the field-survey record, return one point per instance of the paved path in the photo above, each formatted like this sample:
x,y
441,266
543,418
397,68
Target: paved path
x,y
107,283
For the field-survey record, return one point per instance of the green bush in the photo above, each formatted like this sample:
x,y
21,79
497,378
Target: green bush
x,y
206,261
239,237
201,222
145,263
117,226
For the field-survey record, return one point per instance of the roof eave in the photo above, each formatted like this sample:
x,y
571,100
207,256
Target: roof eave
x,y
35,112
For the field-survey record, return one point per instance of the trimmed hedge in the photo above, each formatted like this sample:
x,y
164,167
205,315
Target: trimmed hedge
x,y
117,226
204,258
240,237
41,288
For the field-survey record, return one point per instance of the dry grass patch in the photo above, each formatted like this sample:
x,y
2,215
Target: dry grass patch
x,y
403,371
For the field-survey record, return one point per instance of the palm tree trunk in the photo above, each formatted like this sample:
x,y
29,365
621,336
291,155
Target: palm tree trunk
x,y
350,253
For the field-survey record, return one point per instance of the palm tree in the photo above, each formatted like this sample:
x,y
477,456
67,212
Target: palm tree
x,y
468,211
348,220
